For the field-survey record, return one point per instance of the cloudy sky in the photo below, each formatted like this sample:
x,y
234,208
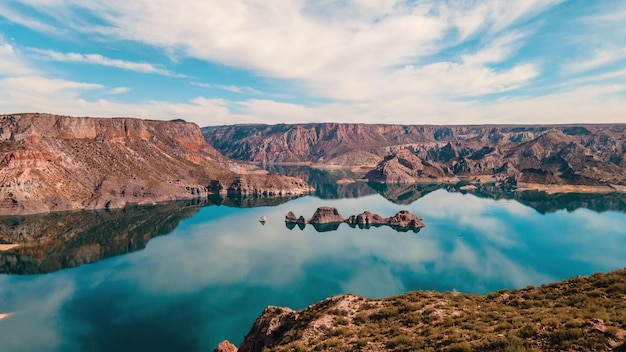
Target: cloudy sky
x,y
270,61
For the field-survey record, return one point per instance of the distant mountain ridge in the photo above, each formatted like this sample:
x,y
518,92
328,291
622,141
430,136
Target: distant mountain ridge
x,y
591,154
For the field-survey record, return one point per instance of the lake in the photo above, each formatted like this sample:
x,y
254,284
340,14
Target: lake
x,y
186,275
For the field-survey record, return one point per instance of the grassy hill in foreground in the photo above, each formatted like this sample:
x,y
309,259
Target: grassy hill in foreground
x,y
581,314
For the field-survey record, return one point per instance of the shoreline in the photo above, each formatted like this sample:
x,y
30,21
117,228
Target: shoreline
x,y
7,247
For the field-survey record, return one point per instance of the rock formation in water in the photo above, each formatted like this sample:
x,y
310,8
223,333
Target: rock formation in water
x,y
403,220
51,163
326,215
580,155
366,219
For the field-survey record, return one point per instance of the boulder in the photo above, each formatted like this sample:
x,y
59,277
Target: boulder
x,y
404,219
366,218
291,217
301,220
326,215
225,346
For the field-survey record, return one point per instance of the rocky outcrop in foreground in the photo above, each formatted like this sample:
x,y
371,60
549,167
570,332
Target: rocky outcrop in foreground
x,y
584,313
592,156
53,163
329,215
225,346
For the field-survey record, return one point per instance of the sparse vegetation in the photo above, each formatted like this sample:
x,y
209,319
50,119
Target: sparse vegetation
x,y
580,314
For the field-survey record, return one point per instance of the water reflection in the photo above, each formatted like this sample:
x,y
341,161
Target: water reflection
x,y
345,183
216,271
54,241
329,183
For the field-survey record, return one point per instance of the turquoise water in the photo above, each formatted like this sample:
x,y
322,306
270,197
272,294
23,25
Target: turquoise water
x,y
217,268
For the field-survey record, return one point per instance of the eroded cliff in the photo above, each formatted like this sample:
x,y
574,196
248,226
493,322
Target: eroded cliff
x,y
582,155
51,163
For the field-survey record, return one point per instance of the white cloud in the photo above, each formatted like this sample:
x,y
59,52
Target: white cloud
x,y
10,62
599,58
369,61
97,59
119,90
229,88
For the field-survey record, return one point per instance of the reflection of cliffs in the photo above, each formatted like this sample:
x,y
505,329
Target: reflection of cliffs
x,y
54,241
328,184
562,154
541,201
243,201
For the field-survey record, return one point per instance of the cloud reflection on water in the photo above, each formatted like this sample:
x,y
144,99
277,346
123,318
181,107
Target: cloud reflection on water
x,y
213,275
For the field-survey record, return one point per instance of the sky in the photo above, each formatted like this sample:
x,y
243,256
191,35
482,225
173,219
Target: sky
x,y
216,62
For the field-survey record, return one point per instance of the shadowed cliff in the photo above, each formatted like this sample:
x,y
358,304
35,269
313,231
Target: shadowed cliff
x,y
57,163
54,241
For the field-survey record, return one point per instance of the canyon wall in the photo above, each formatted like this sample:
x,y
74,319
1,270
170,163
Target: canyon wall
x,y
51,163
541,154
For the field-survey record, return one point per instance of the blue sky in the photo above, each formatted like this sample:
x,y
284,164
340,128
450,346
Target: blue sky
x,y
372,61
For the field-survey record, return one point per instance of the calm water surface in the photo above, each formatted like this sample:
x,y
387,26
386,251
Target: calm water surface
x,y
212,275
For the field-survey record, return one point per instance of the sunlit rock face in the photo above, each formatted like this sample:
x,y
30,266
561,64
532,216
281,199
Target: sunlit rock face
x,y
326,215
583,155
52,163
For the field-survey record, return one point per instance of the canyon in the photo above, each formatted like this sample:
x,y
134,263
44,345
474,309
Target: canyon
x,y
57,163
534,157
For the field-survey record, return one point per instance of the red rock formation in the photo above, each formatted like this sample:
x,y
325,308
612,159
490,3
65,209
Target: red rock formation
x,y
367,219
561,154
329,215
326,215
50,162
225,346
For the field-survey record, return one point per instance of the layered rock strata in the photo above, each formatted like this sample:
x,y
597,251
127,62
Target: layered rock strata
x,y
579,155
52,163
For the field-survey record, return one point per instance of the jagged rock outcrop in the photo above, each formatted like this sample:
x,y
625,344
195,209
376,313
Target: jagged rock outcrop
x,y
326,215
428,320
582,155
404,167
225,346
402,221
291,217
52,163
268,328
366,219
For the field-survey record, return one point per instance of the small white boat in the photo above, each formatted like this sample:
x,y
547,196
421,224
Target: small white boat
x,y
262,219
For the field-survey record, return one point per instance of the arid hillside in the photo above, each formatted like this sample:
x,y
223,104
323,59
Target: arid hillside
x,y
51,162
581,314
593,155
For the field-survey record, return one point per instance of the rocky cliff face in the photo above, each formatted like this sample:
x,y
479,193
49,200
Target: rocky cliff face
x,y
50,162
578,155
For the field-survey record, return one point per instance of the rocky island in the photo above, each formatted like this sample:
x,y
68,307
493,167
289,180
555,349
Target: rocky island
x,y
402,221
54,163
